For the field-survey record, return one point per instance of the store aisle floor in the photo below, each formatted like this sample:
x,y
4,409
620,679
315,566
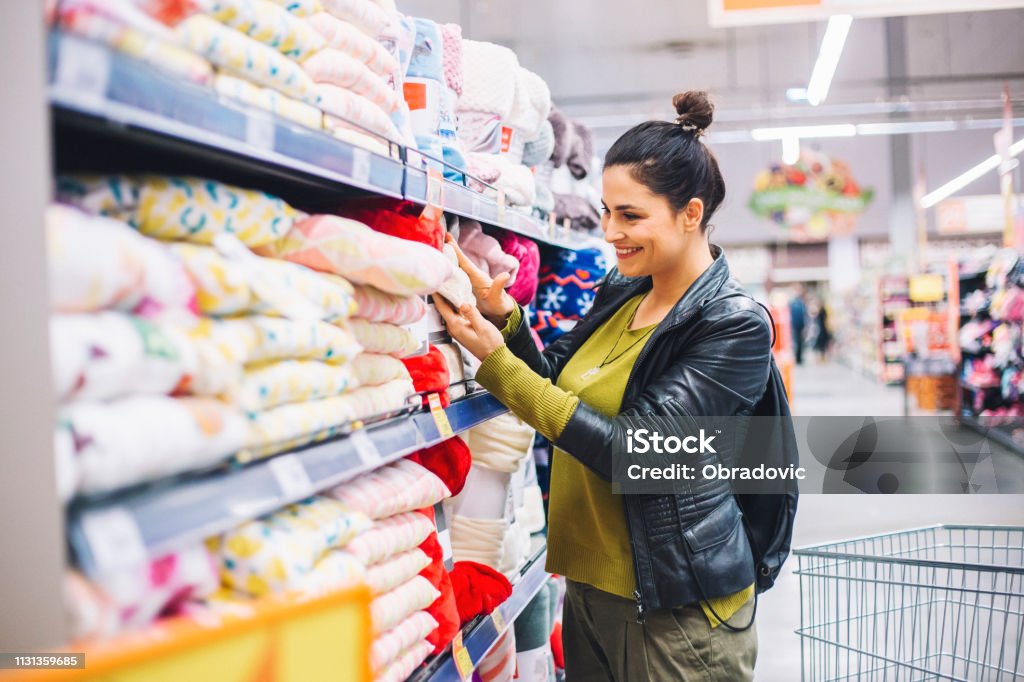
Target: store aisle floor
x,y
834,389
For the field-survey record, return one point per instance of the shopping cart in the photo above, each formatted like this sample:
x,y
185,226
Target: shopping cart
x,y
938,603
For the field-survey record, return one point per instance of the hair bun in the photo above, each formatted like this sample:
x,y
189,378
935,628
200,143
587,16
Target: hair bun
x,y
695,110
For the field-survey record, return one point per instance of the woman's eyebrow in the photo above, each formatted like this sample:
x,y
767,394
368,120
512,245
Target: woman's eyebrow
x,y
624,207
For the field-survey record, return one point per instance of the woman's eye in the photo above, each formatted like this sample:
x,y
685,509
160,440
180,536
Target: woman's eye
x,y
631,216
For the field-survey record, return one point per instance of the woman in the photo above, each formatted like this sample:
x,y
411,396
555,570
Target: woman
x,y
650,579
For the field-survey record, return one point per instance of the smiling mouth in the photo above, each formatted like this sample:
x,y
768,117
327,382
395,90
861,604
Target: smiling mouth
x,y
627,252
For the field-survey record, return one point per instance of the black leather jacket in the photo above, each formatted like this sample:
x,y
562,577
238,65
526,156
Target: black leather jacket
x,y
710,356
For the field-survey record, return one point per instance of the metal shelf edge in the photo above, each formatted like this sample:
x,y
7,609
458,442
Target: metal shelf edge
x,y
210,504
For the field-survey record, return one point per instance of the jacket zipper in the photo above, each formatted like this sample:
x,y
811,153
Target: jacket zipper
x,y
637,596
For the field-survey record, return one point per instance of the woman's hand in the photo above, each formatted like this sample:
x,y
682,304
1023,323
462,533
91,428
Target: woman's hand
x,y
492,300
468,327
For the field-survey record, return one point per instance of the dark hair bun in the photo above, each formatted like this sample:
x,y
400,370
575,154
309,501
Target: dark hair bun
x,y
695,110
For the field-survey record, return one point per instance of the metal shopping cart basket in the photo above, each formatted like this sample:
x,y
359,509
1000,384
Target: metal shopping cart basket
x,y
938,603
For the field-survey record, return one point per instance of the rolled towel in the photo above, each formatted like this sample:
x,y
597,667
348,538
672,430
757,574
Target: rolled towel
x,y
515,179
346,110
375,305
564,133
489,78
532,104
539,150
267,23
337,68
457,289
485,251
501,443
581,156
451,34
526,251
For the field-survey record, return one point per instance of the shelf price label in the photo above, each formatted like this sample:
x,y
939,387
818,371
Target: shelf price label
x,y
463,661
552,225
499,621
502,212
361,161
114,538
365,447
84,67
291,477
444,427
259,130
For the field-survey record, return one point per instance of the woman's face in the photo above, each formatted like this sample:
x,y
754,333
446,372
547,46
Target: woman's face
x,y
649,236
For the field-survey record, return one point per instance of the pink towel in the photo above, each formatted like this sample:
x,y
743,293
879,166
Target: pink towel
x,y
451,34
525,288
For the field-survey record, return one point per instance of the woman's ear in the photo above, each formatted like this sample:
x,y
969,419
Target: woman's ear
x,y
692,215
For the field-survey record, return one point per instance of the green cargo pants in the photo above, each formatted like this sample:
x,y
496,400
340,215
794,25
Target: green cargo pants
x,y
602,640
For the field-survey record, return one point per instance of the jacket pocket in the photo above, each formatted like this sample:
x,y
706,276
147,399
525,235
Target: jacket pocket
x,y
715,528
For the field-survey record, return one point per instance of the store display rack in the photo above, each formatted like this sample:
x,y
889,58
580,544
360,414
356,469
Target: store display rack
x,y
479,637
894,297
123,529
98,90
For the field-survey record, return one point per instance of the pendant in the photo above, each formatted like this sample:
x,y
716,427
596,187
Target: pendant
x,y
589,373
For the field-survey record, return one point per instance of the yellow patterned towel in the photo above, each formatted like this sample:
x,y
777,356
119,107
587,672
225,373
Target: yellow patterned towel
x,y
242,56
268,23
288,381
279,552
225,286
182,208
248,340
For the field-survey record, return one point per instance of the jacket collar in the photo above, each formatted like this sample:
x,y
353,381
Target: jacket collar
x,y
704,289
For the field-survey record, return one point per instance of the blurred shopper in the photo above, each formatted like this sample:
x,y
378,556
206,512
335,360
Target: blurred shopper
x,y
822,334
798,322
670,333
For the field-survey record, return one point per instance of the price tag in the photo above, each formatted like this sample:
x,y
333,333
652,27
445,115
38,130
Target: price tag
x,y
259,129
361,165
566,225
501,207
84,67
463,662
552,224
499,620
291,477
444,427
365,447
435,188
477,207
114,538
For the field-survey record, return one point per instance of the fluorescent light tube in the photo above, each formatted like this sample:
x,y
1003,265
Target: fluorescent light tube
x,y
828,57
805,132
902,127
961,181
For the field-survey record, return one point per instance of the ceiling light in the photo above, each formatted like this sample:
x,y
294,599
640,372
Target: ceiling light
x,y
904,127
961,181
796,94
828,57
835,130
790,150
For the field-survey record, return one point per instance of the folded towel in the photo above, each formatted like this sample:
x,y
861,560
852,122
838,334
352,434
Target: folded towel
x,y
457,289
489,84
393,644
268,100
525,250
344,108
301,8
386,575
95,263
381,337
377,369
580,212
428,52
406,663
514,178
376,306
367,16
267,23
343,36
363,256
337,68
244,57
396,488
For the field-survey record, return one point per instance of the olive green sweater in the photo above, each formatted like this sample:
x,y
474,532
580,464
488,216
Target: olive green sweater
x,y
588,540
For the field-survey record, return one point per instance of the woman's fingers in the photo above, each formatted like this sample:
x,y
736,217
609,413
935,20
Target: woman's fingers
x,y
445,308
477,277
497,287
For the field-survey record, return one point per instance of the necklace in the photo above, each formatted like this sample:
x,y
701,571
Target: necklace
x,y
607,358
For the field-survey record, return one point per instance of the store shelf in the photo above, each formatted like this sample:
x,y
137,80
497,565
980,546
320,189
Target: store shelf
x,y
127,96
480,637
467,203
147,523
